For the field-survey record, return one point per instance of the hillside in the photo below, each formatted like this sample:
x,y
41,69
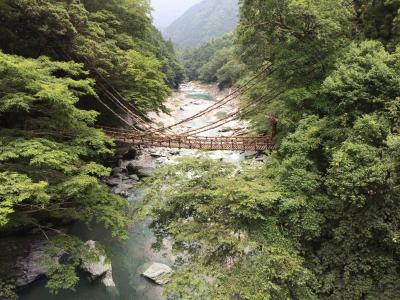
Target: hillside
x,y
206,20
165,12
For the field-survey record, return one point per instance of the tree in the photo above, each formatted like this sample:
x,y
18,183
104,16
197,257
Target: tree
x,y
49,153
223,222
99,34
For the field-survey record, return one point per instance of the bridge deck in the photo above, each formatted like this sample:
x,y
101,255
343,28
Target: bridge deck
x,y
192,142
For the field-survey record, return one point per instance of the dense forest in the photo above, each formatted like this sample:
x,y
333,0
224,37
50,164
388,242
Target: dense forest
x,y
320,220
53,54
214,61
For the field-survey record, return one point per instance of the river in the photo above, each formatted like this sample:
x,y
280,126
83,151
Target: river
x,y
129,257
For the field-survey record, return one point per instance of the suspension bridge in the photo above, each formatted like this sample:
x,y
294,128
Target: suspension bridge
x,y
235,143
142,133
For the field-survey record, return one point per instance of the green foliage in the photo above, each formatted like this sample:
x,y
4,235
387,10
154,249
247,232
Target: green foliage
x,y
49,169
63,276
214,61
115,37
338,123
379,20
223,221
7,290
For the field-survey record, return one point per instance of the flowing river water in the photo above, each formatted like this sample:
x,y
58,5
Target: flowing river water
x,y
129,257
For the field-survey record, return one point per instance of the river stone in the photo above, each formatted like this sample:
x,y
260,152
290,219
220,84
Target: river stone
x,y
162,160
118,171
134,177
113,181
159,273
131,154
98,269
174,152
158,153
140,168
29,268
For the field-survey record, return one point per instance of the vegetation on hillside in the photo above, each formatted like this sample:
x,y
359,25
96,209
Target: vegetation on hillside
x,y
320,220
207,20
214,62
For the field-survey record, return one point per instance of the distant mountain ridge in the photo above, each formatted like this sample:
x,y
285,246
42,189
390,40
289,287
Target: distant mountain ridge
x,y
204,21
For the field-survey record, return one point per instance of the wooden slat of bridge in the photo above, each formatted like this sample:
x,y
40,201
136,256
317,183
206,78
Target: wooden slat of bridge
x,y
192,142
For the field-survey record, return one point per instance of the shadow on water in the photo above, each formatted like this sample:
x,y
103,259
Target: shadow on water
x,y
127,259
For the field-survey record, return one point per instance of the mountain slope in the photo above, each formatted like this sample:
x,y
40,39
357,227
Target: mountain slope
x,y
206,20
165,12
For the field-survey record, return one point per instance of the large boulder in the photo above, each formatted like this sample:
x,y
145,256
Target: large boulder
x,y
131,154
117,171
158,153
159,273
140,168
31,267
100,268
134,177
113,181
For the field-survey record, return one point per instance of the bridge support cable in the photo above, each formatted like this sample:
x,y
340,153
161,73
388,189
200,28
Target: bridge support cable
x,y
231,117
244,88
138,122
132,112
192,133
106,93
113,112
142,120
250,84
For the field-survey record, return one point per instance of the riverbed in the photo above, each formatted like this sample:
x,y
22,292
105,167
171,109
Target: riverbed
x,y
129,257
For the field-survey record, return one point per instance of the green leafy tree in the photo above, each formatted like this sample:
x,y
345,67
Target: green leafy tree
x,y
100,34
223,223
49,153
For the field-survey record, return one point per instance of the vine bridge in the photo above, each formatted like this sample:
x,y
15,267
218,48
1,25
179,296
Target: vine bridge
x,y
235,143
141,132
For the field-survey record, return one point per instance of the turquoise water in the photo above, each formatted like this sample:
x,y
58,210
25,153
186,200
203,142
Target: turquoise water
x,y
126,257
200,95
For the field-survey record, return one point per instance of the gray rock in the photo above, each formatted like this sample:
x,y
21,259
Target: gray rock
x,y
128,184
145,172
250,154
100,269
131,154
31,268
140,168
174,152
159,273
121,191
260,158
120,163
113,181
157,153
118,171
134,177
225,129
162,160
